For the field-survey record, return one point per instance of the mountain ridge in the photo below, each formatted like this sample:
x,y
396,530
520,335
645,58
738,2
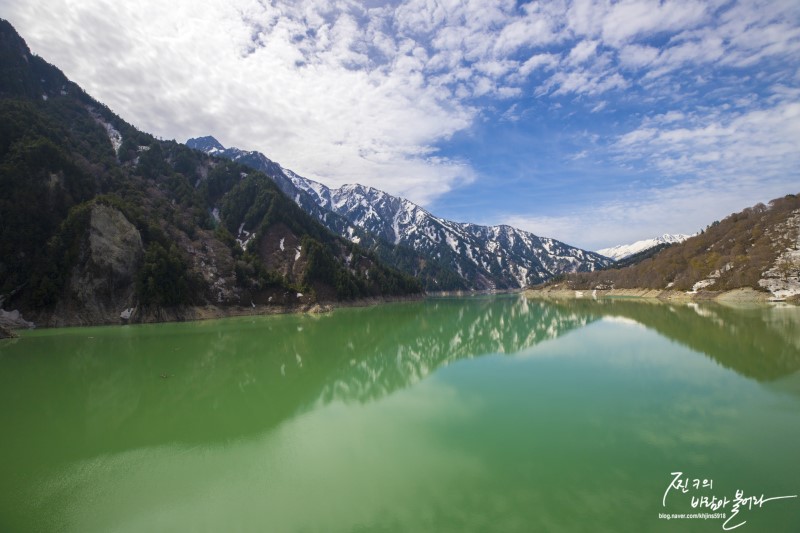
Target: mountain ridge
x,y
623,251
757,248
485,257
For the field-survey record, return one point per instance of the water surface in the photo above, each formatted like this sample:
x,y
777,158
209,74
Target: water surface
x,y
473,414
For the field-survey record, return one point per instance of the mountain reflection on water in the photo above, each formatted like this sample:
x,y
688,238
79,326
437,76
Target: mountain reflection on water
x,y
759,342
209,381
206,381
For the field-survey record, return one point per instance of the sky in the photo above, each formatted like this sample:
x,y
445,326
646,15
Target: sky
x,y
595,122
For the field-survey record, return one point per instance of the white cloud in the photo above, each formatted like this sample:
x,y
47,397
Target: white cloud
x,y
630,18
582,51
536,27
644,214
637,56
585,17
707,51
290,80
669,117
762,143
705,166
537,61
586,81
342,92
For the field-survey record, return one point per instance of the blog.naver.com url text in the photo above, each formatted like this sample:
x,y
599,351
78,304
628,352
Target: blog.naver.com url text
x,y
691,516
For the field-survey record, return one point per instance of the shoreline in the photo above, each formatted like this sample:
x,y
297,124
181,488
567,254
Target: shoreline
x,y
459,294
211,312
744,295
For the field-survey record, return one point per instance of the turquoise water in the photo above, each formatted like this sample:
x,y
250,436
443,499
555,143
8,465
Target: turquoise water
x,y
471,414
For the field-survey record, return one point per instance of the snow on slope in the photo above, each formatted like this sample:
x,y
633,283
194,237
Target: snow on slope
x,y
486,257
626,250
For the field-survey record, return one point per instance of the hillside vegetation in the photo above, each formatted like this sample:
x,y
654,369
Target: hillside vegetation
x,y
427,269
100,218
735,252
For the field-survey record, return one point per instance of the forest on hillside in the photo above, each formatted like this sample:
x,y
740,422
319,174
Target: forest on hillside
x,y
62,154
734,252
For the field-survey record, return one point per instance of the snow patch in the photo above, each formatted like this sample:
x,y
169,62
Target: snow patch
x,y
452,242
396,227
113,135
244,237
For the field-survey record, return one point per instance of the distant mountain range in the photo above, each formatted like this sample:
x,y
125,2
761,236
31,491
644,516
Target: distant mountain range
x,y
623,251
482,257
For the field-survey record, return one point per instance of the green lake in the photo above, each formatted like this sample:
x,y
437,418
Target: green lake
x,y
463,414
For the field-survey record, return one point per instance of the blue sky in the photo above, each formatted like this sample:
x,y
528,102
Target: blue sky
x,y
595,122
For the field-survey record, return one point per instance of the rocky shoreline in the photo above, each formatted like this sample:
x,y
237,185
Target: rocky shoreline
x,y
6,333
741,295
186,314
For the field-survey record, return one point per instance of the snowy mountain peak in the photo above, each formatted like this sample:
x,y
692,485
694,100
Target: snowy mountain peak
x,y
622,251
482,257
206,144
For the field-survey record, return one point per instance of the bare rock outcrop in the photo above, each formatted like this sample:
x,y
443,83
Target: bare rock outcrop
x,y
783,279
102,285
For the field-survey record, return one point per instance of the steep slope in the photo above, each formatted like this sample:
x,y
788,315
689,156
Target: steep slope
x,y
758,248
622,251
430,272
484,257
101,221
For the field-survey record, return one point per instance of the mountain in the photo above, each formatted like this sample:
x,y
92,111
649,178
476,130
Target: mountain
x,y
484,257
623,251
207,144
430,272
758,248
102,221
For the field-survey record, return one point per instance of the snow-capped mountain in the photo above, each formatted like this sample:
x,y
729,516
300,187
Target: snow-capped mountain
x,y
622,251
206,144
486,257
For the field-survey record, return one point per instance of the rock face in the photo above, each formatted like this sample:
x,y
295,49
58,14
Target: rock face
x,y
13,319
103,283
6,333
783,279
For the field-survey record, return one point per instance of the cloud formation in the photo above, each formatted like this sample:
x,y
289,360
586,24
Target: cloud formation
x,y
345,91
